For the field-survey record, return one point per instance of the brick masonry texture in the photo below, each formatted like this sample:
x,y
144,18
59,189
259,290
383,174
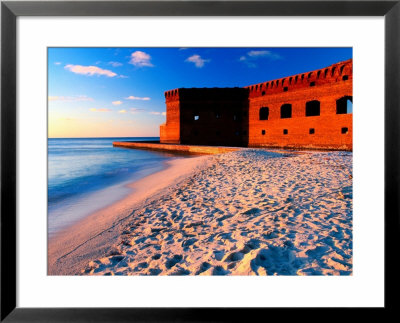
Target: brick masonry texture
x,y
269,114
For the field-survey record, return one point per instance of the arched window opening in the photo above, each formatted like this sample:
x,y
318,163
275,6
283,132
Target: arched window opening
x,y
283,82
267,86
286,111
264,113
344,105
333,71
290,80
302,77
318,74
326,73
277,82
309,75
341,69
312,108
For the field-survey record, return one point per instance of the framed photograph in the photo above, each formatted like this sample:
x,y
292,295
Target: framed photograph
x,y
161,159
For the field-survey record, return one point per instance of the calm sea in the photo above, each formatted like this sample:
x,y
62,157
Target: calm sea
x,y
87,174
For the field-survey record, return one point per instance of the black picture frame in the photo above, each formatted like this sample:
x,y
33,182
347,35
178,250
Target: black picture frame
x,y
10,10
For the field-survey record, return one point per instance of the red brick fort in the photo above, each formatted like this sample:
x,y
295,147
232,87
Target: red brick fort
x,y
307,110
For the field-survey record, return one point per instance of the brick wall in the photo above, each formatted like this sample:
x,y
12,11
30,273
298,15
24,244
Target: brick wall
x,y
328,130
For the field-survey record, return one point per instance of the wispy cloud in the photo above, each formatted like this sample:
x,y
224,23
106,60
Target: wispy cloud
x,y
57,63
116,102
135,110
100,110
140,59
197,60
131,97
158,113
122,111
115,64
70,98
251,56
89,70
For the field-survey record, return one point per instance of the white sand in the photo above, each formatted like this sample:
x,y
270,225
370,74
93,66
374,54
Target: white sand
x,y
249,212
70,249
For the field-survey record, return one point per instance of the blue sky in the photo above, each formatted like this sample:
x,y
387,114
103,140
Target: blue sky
x,y
119,92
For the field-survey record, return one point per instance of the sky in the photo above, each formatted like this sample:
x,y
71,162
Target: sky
x,y
119,92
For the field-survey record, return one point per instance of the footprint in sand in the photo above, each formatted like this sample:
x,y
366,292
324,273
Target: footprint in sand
x,y
173,261
220,271
219,254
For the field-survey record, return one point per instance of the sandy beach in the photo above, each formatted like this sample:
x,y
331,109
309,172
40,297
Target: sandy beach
x,y
249,212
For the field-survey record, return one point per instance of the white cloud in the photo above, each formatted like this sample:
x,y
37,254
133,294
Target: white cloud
x,y
115,64
70,98
252,55
197,60
116,102
57,63
89,70
131,97
122,111
100,110
140,59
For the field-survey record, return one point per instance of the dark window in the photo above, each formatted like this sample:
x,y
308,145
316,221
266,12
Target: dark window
x,y
312,83
277,82
309,75
196,117
285,89
285,131
326,72
345,130
343,104
264,113
296,78
263,93
333,71
290,80
311,131
341,69
302,77
345,77
286,111
263,132
312,108
318,74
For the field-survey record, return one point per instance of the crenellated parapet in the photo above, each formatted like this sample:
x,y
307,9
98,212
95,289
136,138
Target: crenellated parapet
x,y
339,72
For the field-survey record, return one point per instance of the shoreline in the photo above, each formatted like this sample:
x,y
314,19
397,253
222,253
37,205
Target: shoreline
x,y
70,248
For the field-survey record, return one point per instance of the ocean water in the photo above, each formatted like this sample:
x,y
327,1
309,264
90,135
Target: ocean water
x,y
87,174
